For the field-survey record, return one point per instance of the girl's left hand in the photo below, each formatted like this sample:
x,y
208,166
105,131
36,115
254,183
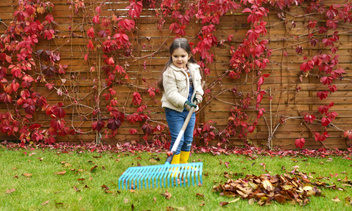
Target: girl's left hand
x,y
197,98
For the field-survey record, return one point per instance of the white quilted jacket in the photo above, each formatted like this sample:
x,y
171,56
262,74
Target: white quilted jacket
x,y
176,86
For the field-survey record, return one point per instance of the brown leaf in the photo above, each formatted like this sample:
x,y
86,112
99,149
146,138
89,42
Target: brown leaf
x,y
267,185
223,203
10,190
202,203
80,179
152,160
105,187
27,175
336,199
167,195
60,173
201,195
280,198
348,200
93,168
58,203
76,189
45,203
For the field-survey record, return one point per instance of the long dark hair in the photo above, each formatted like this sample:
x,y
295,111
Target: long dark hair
x,y
177,43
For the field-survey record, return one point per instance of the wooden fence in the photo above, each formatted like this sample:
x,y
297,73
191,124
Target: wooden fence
x,y
150,51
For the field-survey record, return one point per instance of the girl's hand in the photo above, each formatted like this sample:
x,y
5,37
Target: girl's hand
x,y
189,105
197,98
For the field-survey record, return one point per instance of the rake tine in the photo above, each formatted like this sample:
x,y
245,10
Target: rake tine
x,y
159,176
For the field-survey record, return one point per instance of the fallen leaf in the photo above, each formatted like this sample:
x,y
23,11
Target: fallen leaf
x,y
202,203
201,195
105,187
336,199
27,174
45,203
10,190
58,203
60,173
167,195
76,189
154,199
93,168
224,203
125,201
348,200
152,160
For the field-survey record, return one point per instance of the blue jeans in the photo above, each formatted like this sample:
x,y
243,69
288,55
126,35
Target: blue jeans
x,y
175,122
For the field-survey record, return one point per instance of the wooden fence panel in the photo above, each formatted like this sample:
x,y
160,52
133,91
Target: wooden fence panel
x,y
149,47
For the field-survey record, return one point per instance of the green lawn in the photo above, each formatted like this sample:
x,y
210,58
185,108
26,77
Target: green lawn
x,y
44,179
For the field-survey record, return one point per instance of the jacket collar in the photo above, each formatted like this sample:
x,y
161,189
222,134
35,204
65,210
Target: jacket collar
x,y
191,66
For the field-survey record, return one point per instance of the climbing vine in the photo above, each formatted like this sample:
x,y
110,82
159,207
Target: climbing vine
x,y
24,65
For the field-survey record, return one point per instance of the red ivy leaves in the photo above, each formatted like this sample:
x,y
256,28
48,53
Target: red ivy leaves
x,y
135,8
91,32
137,99
98,125
309,118
126,24
300,142
320,137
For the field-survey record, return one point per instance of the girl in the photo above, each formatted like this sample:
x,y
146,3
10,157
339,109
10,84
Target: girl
x,y
181,85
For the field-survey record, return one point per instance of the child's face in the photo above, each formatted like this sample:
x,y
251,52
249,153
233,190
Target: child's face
x,y
180,58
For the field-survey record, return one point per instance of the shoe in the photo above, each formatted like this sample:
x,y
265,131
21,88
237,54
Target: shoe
x,y
184,156
176,159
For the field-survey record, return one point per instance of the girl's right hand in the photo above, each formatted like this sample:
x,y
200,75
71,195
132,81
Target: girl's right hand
x,y
189,105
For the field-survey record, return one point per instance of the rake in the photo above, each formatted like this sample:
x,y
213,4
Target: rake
x,y
167,175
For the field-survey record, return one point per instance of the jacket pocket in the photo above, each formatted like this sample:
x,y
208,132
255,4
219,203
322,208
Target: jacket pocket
x,y
181,81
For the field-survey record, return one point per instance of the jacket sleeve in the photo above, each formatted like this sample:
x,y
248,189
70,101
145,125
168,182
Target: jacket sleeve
x,y
171,91
198,81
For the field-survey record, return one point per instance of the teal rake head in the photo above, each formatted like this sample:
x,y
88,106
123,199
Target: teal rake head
x,y
161,176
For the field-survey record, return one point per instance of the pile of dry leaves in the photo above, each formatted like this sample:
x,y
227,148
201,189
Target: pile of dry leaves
x,y
266,188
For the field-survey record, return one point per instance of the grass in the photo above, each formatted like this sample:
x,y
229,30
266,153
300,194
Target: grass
x,y
80,188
